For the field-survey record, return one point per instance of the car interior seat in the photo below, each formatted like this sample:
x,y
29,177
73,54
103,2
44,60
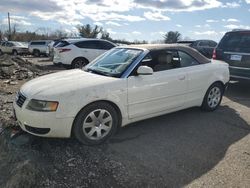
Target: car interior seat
x,y
164,62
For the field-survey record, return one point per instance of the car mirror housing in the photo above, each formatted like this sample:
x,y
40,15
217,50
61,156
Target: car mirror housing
x,y
145,70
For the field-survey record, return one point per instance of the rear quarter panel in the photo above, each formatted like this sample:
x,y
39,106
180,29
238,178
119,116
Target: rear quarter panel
x,y
219,73
201,77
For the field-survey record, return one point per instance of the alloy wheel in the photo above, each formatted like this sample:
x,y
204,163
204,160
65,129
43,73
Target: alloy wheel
x,y
214,97
97,124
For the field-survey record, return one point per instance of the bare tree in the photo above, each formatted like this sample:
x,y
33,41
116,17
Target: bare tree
x,y
58,34
172,37
106,35
87,31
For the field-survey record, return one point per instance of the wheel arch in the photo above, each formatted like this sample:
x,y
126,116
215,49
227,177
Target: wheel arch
x,y
80,57
203,104
221,83
118,110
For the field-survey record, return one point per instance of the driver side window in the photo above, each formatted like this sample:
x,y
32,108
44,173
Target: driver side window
x,y
162,60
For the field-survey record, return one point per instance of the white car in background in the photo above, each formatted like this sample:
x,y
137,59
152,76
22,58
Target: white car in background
x,y
14,47
76,53
39,47
124,85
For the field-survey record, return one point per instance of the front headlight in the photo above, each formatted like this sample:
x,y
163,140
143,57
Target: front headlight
x,y
44,106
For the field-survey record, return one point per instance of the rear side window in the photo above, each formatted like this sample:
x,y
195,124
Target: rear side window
x,y
186,60
86,44
236,42
93,44
103,45
62,44
37,43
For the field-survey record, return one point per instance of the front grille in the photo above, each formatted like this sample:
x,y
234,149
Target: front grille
x,y
20,99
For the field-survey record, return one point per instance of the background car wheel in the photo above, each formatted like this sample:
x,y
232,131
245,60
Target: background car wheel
x,y
79,63
213,97
15,53
95,123
36,53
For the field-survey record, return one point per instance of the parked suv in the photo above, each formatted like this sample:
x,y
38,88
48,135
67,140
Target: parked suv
x,y
205,47
39,47
76,53
234,48
13,47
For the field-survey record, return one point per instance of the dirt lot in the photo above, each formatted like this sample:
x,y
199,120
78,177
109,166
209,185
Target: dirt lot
x,y
189,148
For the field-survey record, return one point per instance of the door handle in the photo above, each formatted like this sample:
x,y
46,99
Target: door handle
x,y
182,77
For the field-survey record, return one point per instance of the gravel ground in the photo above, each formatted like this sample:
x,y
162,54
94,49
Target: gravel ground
x,y
189,148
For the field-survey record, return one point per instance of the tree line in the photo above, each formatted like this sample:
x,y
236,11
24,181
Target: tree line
x,y
86,31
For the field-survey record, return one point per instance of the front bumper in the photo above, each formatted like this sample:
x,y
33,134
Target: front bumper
x,y
44,124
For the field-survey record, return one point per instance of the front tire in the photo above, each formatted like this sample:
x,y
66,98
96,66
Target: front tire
x,y
95,123
213,97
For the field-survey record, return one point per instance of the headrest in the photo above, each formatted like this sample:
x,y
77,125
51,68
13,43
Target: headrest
x,y
165,58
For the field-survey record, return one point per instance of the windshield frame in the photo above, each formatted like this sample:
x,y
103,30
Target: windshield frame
x,y
129,68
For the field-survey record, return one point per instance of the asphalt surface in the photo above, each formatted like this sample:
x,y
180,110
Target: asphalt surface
x,y
192,148
189,148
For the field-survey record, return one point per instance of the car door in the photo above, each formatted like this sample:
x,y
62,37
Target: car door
x,y
163,90
98,48
102,47
86,49
9,47
3,47
197,75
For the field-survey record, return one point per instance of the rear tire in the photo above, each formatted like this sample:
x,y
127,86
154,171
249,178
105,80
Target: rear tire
x,y
213,97
79,63
95,123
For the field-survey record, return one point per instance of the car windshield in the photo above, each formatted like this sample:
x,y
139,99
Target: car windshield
x,y
113,62
18,44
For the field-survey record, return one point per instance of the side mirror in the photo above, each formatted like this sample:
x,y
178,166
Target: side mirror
x,y
145,70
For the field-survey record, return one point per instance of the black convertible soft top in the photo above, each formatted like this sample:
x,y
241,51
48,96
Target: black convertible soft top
x,y
193,52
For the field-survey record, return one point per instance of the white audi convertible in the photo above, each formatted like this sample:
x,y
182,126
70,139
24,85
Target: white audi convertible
x,y
124,85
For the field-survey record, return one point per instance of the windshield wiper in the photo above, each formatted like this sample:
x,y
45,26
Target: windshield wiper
x,y
98,72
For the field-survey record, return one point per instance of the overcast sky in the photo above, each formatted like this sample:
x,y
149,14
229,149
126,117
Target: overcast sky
x,y
130,19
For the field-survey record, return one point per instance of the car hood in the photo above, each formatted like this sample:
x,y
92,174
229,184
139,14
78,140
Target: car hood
x,y
63,82
21,47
